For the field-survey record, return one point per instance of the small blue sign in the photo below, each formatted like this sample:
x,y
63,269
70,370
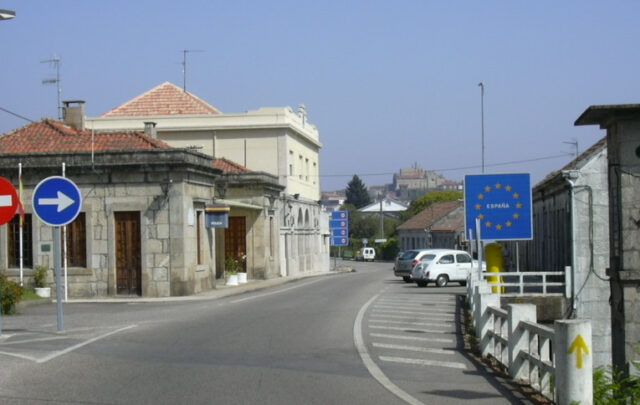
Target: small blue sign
x,y
502,203
339,241
340,215
336,224
57,201
339,225
340,233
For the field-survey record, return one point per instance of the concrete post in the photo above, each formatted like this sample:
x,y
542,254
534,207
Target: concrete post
x,y
519,339
485,320
574,362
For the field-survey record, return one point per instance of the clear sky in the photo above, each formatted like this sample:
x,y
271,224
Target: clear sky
x,y
388,83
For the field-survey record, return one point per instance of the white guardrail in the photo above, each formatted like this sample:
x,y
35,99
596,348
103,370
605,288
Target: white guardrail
x,y
556,360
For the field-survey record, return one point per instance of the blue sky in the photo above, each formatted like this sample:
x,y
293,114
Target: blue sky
x,y
388,84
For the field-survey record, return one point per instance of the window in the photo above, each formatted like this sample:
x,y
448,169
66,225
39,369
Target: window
x,y
463,258
77,242
314,173
13,233
300,167
306,169
290,163
199,236
448,259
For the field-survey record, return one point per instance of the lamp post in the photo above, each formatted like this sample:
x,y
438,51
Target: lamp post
x,y
7,14
482,119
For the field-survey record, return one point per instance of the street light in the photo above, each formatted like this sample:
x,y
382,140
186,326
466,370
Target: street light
x,y
7,14
482,119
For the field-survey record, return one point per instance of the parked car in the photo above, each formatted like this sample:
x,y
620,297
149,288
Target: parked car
x,y
442,266
406,262
367,254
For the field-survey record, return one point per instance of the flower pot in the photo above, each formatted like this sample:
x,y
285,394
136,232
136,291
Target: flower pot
x,y
242,278
44,292
232,279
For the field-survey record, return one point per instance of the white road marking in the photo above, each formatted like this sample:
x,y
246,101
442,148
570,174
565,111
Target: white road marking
x,y
414,348
276,292
79,345
435,308
409,329
408,311
17,342
419,362
416,338
436,324
391,315
373,368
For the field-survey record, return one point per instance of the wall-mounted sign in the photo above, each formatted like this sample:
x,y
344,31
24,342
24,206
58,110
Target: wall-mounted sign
x,y
216,216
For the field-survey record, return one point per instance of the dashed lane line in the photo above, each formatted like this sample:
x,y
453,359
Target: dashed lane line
x,y
412,338
420,362
413,348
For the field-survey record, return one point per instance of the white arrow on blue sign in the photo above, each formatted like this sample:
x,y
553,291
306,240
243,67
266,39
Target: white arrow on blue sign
x,y
56,201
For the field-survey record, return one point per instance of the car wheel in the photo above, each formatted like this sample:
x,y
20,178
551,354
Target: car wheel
x,y
406,279
421,283
442,280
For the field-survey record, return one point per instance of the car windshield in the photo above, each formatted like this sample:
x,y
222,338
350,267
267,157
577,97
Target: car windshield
x,y
410,255
427,258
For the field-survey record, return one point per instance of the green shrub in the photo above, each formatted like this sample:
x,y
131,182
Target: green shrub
x,y
389,249
40,276
231,266
613,388
11,294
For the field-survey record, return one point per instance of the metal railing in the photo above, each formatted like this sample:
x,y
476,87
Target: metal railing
x,y
534,283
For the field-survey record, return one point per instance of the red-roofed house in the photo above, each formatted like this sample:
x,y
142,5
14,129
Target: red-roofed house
x,y
141,229
437,226
274,141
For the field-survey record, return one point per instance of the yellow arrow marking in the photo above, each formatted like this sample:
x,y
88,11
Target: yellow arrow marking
x,y
579,346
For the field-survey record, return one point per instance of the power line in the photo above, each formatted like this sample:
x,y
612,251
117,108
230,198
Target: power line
x,y
17,115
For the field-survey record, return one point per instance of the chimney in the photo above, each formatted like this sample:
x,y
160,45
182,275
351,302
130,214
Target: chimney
x,y
150,129
73,114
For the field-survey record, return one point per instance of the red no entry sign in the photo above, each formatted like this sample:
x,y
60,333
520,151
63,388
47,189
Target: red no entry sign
x,y
8,201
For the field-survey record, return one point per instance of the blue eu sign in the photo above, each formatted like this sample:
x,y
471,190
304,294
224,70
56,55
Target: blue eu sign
x,y
56,201
502,203
339,226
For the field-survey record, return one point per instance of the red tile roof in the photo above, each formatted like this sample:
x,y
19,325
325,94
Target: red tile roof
x,y
229,167
166,99
430,215
49,136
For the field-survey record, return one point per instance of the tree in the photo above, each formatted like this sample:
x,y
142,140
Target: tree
x,y
357,194
432,198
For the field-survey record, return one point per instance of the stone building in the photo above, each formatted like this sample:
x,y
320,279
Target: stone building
x,y
622,123
437,226
141,227
576,192
276,141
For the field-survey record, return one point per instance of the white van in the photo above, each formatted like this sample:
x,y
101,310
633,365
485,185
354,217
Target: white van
x,y
368,253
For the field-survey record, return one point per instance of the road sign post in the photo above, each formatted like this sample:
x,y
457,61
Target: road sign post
x,y
8,206
57,202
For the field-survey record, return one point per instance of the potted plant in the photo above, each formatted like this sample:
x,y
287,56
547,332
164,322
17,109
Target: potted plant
x,y
39,280
242,269
231,271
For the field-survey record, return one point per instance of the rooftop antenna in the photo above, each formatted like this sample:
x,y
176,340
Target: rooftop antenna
x,y
56,61
575,144
184,66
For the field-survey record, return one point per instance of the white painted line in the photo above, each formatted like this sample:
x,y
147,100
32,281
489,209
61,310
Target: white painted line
x,y
276,292
419,362
79,345
409,311
409,329
414,348
391,315
416,307
20,356
428,301
6,201
436,324
373,368
17,342
416,338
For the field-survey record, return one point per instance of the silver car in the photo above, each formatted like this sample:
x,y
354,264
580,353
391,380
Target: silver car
x,y
406,262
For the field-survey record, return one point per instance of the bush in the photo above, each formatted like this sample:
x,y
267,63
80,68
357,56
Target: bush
x,y
11,294
389,249
40,276
612,388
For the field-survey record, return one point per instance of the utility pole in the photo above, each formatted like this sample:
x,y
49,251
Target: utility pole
x,y
482,119
575,145
184,66
56,61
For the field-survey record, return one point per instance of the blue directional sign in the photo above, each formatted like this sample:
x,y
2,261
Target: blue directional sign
x,y
502,203
57,201
339,226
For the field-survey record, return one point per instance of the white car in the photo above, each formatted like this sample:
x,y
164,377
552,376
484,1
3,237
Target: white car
x,y
368,254
442,266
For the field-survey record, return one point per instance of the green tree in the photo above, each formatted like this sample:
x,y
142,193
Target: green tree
x,y
432,198
356,192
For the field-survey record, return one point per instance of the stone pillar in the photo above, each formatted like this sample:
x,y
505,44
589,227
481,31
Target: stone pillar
x,y
574,362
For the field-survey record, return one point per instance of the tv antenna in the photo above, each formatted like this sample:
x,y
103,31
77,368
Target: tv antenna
x,y
184,66
575,145
55,61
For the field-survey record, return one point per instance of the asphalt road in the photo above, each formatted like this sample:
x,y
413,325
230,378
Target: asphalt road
x,y
352,338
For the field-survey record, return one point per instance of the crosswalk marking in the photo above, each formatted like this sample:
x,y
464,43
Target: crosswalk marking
x,y
426,317
436,324
414,338
409,329
409,311
438,308
413,348
419,362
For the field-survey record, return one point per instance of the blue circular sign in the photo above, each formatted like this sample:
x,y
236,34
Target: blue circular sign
x,y
57,201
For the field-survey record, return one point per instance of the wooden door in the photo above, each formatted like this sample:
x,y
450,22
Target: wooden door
x,y
128,263
235,239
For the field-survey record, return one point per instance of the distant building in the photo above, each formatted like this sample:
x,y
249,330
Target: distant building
x,y
387,206
437,226
333,200
414,182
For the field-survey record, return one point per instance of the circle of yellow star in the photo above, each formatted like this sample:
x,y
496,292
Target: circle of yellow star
x,y
481,217
508,188
487,189
516,216
488,224
480,196
519,205
478,206
498,227
509,223
516,196
498,186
